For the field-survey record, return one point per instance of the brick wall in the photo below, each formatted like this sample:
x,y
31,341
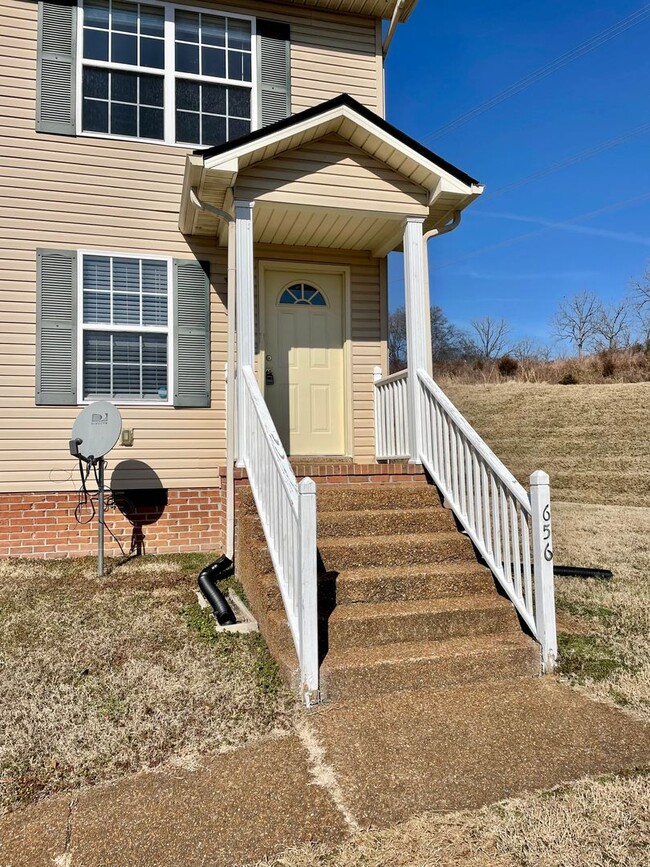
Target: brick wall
x,y
164,522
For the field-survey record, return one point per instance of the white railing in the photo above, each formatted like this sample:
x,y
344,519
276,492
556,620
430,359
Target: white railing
x,y
287,511
511,530
391,416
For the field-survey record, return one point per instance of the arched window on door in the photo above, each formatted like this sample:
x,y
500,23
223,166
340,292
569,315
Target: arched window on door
x,y
303,293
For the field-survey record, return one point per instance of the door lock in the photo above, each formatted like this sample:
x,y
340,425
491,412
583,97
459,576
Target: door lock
x,y
268,376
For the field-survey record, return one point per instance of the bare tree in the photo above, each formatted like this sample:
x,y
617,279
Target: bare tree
x,y
576,320
397,340
491,336
641,302
525,350
613,325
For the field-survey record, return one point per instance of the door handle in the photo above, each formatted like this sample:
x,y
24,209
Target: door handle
x,y
268,376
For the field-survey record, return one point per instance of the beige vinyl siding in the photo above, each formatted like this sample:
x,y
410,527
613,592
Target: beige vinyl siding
x,y
330,172
123,196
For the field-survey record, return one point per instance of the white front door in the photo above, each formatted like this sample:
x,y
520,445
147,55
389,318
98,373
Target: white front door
x,y
304,360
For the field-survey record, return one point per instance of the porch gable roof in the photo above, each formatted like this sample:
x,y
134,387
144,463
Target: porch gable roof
x,y
215,175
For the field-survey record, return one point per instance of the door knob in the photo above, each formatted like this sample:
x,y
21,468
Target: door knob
x,y
268,376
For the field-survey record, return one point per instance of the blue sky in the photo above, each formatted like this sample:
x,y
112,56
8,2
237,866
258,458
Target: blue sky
x,y
449,58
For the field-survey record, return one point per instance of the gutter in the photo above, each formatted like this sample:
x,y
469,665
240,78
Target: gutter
x,y
230,370
392,27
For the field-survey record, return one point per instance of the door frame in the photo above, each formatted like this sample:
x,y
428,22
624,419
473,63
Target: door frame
x,y
265,265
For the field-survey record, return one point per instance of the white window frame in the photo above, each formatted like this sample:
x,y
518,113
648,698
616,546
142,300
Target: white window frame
x,y
141,329
168,74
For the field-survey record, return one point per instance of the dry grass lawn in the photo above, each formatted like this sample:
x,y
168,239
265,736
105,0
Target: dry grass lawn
x,y
591,824
593,440
99,678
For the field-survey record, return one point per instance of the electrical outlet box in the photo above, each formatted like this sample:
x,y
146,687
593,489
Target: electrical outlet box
x,y
127,436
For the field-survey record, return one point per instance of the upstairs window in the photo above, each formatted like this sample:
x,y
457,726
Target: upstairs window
x,y
165,73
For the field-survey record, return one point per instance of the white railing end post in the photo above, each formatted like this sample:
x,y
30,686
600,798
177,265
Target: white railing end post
x,y
540,504
307,564
376,373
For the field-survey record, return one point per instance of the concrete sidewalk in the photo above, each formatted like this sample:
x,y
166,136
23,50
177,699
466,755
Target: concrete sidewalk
x,y
349,767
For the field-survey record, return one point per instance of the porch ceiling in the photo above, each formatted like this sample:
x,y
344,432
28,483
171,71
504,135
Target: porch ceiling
x,y
336,176
373,8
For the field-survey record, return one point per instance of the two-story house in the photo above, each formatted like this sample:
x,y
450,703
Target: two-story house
x,y
117,116
199,199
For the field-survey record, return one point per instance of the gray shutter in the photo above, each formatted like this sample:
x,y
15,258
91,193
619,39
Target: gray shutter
x,y
191,333
55,71
56,327
275,71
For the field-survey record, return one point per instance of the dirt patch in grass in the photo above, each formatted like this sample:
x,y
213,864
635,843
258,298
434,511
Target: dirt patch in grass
x,y
593,440
595,823
103,677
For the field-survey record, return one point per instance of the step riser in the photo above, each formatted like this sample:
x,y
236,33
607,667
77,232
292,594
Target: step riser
x,y
359,497
398,551
382,523
379,523
412,588
412,674
432,551
346,591
432,626
350,499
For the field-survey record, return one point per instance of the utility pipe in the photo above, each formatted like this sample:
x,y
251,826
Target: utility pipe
x,y
433,233
230,371
392,27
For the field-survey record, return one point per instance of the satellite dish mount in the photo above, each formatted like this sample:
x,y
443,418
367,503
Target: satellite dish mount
x,y
95,432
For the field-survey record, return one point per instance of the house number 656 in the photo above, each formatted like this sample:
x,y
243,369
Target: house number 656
x,y
546,529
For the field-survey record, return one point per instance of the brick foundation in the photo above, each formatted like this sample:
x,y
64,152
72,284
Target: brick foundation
x,y
351,474
159,522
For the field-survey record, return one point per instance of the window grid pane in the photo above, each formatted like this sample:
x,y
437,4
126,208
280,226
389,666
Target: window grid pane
x,y
209,114
133,364
131,104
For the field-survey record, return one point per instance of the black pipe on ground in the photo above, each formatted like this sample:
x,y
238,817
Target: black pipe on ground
x,y
207,584
582,572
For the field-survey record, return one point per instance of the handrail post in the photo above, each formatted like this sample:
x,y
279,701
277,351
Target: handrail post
x,y
376,374
416,296
540,504
244,312
307,564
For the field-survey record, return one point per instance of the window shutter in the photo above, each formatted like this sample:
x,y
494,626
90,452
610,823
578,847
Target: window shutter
x,y
191,333
275,71
55,72
56,327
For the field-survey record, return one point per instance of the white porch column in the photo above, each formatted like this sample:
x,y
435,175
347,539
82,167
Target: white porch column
x,y
416,294
245,310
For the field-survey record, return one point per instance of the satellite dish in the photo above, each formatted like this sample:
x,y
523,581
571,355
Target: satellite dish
x,y
96,431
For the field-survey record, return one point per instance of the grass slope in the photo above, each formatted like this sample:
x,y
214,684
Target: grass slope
x,y
593,440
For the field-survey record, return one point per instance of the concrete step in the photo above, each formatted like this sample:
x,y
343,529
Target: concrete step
x,y
405,549
380,522
390,584
368,522
365,624
347,498
351,552
366,671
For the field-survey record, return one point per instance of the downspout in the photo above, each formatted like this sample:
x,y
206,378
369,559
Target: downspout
x,y
433,233
230,372
394,21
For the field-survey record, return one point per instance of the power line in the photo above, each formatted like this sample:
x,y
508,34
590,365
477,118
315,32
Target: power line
x,y
569,161
544,71
565,223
